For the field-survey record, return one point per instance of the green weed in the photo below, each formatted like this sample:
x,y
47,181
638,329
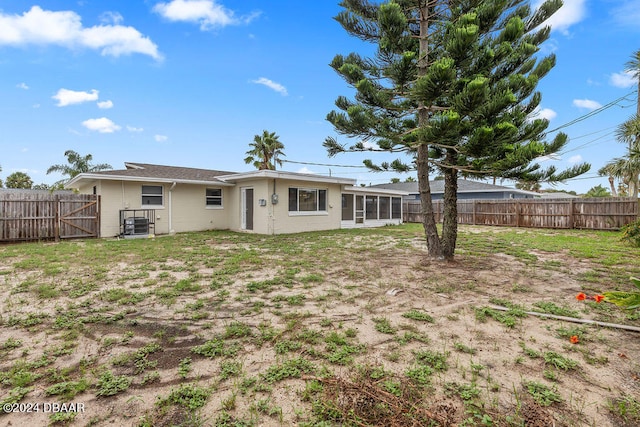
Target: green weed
x,y
542,394
109,384
418,315
292,368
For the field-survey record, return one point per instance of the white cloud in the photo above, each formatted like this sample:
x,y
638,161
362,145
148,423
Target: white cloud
x,y
368,145
586,103
105,105
306,170
68,97
208,13
160,138
271,85
22,86
111,18
623,79
64,28
626,13
102,125
572,12
134,129
547,113
575,159
550,157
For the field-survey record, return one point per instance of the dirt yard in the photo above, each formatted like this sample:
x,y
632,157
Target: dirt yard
x,y
336,328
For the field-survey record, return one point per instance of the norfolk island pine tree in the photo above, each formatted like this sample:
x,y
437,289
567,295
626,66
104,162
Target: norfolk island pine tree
x,y
452,85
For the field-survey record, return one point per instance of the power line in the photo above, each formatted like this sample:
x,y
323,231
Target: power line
x,y
573,138
570,123
594,112
586,143
324,164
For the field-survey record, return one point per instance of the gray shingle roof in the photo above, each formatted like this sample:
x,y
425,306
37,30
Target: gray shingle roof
x,y
165,172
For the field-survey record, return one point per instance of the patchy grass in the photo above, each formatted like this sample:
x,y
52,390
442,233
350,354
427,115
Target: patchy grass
x,y
221,328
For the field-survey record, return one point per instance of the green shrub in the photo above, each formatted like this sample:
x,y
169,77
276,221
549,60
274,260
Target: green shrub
x,y
631,233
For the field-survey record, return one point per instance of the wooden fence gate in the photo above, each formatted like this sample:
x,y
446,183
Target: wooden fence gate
x,y
30,215
78,218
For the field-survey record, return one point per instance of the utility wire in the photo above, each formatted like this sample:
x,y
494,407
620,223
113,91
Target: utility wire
x,y
586,143
594,112
573,138
570,123
324,164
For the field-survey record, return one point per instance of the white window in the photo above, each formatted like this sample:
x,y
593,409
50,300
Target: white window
x,y
307,200
152,195
213,198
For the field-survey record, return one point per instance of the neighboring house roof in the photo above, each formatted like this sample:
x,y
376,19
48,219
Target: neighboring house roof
x,y
32,191
558,195
464,186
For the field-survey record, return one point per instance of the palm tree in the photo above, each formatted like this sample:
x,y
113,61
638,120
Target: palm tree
x,y
633,67
597,191
265,150
77,164
19,180
632,130
625,169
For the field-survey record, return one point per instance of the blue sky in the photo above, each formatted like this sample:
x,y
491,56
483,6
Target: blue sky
x,y
190,82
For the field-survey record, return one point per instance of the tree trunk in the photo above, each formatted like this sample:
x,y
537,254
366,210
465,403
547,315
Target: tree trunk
x,y
633,190
450,221
428,218
613,188
426,204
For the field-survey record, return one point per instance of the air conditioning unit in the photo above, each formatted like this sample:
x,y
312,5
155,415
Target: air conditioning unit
x,y
134,226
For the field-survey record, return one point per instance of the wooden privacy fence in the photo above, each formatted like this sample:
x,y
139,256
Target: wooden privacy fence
x,y
46,216
609,213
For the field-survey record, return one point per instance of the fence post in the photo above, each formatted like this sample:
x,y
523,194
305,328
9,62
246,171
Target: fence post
x,y
57,217
474,212
518,212
572,219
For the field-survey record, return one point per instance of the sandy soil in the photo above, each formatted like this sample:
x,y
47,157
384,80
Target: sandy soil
x,y
352,295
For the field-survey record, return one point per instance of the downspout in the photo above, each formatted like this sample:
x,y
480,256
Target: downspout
x,y
171,230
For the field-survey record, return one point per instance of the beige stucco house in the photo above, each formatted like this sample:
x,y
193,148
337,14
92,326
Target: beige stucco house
x,y
154,199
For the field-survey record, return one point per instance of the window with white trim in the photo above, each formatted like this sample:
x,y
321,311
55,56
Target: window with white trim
x,y
307,200
152,195
213,197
